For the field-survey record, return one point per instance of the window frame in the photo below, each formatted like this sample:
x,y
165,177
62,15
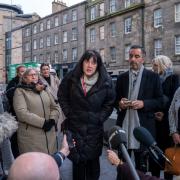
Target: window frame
x,y
65,38
177,14
157,18
158,47
128,25
112,6
92,35
177,44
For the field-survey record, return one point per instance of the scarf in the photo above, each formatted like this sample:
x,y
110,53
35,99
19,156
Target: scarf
x,y
87,83
131,119
167,72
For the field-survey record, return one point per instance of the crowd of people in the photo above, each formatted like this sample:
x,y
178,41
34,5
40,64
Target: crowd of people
x,y
41,107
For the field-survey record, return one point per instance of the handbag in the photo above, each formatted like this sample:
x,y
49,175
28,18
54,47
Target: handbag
x,y
173,154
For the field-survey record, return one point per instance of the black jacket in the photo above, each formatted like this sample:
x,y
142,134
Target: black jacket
x,y
12,85
86,114
150,92
169,86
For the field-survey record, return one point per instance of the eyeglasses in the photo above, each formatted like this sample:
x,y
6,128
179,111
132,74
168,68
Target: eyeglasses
x,y
32,75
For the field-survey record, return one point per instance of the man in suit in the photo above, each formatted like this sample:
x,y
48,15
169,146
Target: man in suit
x,y
138,96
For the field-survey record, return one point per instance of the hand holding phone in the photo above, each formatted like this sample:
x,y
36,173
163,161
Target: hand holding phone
x,y
70,139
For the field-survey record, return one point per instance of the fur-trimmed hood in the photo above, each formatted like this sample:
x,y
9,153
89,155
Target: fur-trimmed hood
x,y
8,125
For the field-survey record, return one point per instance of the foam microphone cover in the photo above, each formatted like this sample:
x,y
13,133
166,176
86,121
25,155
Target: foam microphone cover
x,y
143,136
117,136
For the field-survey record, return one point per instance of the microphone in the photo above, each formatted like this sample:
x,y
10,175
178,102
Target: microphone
x,y
117,140
146,139
116,137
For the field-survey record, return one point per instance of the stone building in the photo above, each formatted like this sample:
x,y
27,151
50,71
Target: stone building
x,y
11,16
162,29
58,38
110,27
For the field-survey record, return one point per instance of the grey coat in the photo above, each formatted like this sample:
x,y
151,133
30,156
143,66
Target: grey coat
x,y
173,112
8,126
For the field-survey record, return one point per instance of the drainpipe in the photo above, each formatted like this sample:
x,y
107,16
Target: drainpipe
x,y
142,25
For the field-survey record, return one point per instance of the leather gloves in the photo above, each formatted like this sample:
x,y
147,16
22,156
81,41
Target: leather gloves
x,y
48,124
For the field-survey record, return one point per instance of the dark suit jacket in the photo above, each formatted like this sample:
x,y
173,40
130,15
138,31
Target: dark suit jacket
x,y
150,92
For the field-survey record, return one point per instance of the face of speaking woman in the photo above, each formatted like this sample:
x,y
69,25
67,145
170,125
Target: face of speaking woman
x,y
89,67
31,77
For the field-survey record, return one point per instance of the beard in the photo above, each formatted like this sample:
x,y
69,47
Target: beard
x,y
135,66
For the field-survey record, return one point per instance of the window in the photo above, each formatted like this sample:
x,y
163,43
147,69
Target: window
x,y
48,57
48,41
65,19
41,43
41,58
112,5
177,12
56,57
34,44
74,34
56,21
27,32
127,25
56,39
157,18
101,32
74,54
27,46
35,58
126,51
102,55
177,44
93,13
64,36
48,24
92,35
41,26
127,3
35,29
113,29
64,54
101,9
157,47
74,15
113,53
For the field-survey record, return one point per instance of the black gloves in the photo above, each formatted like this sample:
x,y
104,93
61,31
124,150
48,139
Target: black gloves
x,y
48,124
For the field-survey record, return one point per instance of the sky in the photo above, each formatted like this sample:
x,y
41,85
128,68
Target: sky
x,y
41,7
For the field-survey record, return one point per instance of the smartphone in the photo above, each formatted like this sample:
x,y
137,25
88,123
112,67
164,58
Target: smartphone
x,y
128,102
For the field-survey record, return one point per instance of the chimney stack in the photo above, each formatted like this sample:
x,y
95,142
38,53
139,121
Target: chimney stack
x,y
58,5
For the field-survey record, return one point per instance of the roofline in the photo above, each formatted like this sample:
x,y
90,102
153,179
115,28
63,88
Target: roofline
x,y
12,7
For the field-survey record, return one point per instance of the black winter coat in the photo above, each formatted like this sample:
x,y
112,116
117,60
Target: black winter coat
x,y
169,86
86,114
11,87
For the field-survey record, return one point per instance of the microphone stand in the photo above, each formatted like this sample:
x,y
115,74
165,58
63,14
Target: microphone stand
x,y
129,162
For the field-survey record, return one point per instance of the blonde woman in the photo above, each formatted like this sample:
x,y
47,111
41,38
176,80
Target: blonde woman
x,y
164,67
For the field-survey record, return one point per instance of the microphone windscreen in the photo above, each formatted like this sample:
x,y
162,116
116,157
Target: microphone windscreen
x,y
143,136
116,136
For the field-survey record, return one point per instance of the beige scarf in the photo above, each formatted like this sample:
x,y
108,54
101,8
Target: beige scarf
x,y
87,83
